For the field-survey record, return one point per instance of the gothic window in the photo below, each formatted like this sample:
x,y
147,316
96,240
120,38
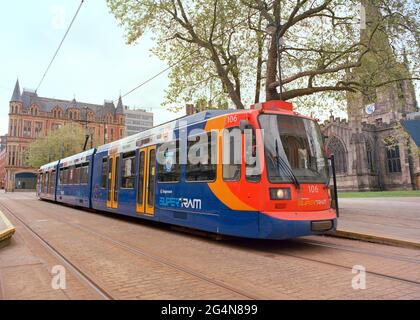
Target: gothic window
x,y
56,112
27,129
393,159
34,111
369,156
15,132
109,118
336,147
90,117
38,129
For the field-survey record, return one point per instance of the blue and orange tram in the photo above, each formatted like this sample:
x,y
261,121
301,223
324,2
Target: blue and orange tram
x,y
284,193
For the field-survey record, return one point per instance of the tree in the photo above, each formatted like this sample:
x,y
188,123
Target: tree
x,y
221,48
60,143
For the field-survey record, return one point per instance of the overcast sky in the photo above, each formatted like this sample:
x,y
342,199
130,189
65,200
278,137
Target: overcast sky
x,y
94,63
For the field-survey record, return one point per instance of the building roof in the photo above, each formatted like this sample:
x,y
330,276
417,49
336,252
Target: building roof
x,y
16,97
120,106
413,129
48,104
30,97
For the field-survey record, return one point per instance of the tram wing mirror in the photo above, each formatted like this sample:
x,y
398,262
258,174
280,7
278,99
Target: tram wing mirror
x,y
243,124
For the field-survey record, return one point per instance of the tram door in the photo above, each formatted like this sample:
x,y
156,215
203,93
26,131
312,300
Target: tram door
x,y
113,181
146,181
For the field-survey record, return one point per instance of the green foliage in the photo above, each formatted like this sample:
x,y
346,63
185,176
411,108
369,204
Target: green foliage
x,y
62,142
217,41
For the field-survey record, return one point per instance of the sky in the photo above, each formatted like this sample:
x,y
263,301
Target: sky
x,y
94,64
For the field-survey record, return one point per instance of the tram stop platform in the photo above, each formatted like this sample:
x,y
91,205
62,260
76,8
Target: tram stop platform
x,y
391,221
6,230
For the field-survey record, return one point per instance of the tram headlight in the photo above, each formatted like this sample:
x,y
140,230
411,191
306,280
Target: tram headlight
x,y
280,194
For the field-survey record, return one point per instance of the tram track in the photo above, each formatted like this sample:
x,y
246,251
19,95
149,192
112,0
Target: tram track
x,y
274,254
82,276
361,251
132,249
378,274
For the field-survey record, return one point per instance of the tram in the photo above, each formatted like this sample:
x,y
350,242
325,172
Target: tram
x,y
283,193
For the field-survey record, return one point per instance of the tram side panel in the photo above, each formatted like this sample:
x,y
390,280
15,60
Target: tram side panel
x,y
74,187
126,183
47,182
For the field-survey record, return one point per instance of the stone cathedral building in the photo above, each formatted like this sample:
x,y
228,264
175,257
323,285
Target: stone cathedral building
x,y
373,151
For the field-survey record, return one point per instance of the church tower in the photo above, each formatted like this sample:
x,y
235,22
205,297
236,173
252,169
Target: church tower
x,y
385,96
371,149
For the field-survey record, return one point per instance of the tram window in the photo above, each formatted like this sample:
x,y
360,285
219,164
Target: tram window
x,y
253,170
140,186
109,178
53,178
76,176
151,180
46,182
84,173
117,178
104,172
71,175
42,182
66,176
168,163
128,170
203,167
39,181
232,154
61,177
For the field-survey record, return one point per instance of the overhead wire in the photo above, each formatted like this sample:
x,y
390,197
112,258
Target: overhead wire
x,y
60,45
185,57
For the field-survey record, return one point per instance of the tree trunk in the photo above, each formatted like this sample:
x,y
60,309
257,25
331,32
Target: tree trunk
x,y
234,93
259,66
271,92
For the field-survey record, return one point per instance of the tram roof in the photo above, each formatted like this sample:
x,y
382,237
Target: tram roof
x,y
161,132
49,166
77,158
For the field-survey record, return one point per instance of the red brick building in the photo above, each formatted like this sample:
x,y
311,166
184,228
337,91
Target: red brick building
x,y
32,117
2,168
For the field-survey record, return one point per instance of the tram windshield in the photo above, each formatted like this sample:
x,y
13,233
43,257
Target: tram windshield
x,y
293,143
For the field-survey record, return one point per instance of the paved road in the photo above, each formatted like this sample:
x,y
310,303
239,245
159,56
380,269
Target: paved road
x,y
397,218
106,257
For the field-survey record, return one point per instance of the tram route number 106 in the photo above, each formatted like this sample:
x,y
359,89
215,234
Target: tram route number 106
x,y
231,309
232,119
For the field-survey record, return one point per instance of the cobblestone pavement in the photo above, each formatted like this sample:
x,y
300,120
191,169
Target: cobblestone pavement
x,y
397,218
109,257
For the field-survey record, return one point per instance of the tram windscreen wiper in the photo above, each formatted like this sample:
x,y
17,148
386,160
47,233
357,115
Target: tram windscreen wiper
x,y
283,165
